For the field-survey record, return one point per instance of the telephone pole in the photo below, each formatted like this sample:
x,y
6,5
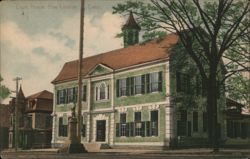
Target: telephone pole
x,y
17,79
79,97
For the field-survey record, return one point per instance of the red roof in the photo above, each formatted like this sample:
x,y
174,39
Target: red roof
x,y
42,95
121,58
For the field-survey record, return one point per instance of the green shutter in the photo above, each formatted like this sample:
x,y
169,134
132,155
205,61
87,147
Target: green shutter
x,y
57,97
84,98
143,84
127,86
127,130
117,88
65,96
143,128
132,86
147,83
131,129
178,82
160,82
118,130
147,128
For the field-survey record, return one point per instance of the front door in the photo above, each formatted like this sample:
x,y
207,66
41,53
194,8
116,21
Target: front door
x,y
100,130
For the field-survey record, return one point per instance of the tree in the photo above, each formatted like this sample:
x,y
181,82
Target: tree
x,y
238,89
4,91
209,32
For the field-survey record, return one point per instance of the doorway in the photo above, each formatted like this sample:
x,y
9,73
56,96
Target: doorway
x,y
100,130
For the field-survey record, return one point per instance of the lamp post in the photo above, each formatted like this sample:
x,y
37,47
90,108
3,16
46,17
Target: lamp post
x,y
17,79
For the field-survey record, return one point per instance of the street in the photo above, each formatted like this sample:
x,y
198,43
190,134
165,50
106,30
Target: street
x,y
44,155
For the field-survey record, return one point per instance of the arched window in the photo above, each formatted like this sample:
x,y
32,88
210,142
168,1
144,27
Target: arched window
x,y
102,91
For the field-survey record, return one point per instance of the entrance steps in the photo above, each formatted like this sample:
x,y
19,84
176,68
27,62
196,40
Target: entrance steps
x,y
94,147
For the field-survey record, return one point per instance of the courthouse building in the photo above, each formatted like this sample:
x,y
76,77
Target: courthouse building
x,y
135,96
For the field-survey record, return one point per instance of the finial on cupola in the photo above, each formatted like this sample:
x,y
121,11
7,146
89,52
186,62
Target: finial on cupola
x,y
130,31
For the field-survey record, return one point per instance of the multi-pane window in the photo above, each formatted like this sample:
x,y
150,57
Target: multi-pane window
x,y
154,123
182,82
122,87
138,84
61,96
195,121
182,124
137,116
123,118
123,124
154,82
237,129
138,124
205,123
102,91
70,95
147,83
29,121
63,128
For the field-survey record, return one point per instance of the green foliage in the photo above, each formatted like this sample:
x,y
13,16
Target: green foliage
x,y
238,88
210,32
4,91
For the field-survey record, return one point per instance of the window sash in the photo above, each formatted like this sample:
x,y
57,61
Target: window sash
x,y
137,116
138,84
122,87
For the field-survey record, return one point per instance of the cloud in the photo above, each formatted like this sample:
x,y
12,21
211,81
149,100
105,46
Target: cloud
x,y
38,58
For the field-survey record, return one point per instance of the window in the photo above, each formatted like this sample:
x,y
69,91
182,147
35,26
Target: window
x,y
48,121
123,118
102,91
138,124
63,128
205,121
183,115
122,87
29,121
154,123
138,85
154,78
61,95
195,121
182,124
154,82
123,124
70,95
137,116
182,82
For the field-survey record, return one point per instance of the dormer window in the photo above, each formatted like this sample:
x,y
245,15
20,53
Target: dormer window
x,y
102,91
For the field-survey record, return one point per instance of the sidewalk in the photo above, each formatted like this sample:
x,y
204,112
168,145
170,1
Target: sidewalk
x,y
202,151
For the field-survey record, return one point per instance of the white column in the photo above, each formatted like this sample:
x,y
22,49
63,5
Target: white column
x,y
112,117
54,132
168,108
88,134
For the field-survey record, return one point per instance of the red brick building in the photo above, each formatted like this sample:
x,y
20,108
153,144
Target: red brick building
x,y
35,122
5,111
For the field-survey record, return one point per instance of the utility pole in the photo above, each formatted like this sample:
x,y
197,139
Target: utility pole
x,y
79,98
17,79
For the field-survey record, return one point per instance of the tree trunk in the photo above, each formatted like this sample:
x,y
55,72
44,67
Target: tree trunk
x,y
212,110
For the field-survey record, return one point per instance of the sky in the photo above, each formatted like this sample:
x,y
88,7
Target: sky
x,y
38,37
